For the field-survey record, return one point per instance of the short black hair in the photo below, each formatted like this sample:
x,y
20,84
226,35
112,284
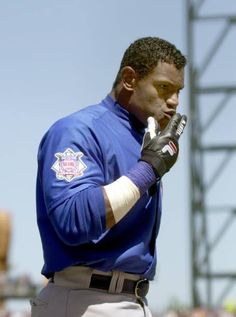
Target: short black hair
x,y
144,54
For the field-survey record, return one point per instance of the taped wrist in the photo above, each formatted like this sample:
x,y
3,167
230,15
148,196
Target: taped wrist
x,y
122,195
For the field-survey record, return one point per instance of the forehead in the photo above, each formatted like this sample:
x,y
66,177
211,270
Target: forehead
x,y
165,72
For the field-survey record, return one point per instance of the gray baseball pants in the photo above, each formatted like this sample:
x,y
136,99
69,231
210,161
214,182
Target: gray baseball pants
x,y
69,295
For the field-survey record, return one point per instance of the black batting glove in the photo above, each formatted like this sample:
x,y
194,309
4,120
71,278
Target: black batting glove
x,y
161,149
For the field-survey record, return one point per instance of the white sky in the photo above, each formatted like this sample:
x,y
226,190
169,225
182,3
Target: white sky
x,y
56,57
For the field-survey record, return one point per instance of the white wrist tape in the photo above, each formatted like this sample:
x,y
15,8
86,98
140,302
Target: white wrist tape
x,y
122,195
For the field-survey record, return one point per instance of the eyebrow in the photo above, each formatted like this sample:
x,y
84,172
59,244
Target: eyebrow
x,y
158,81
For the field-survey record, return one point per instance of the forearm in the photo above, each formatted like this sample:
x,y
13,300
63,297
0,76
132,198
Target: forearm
x,y
121,195
159,153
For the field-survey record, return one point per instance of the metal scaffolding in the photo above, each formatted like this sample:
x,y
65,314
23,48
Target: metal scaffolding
x,y
211,45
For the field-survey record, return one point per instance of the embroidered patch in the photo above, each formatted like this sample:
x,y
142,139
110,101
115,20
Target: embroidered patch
x,y
69,165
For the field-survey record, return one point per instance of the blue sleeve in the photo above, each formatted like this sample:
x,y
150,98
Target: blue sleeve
x,y
70,172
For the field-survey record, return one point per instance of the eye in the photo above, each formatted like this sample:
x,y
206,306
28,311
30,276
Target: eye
x,y
163,89
163,86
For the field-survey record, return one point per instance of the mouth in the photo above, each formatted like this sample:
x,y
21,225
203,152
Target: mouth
x,y
169,114
166,118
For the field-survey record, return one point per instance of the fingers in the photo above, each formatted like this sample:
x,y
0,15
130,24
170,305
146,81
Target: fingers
x,y
176,125
173,124
181,126
152,127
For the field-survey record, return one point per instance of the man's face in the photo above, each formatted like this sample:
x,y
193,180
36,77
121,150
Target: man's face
x,y
157,94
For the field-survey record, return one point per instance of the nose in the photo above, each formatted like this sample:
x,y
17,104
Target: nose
x,y
173,100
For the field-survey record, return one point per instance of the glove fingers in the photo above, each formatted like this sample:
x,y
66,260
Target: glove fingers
x,y
181,126
173,124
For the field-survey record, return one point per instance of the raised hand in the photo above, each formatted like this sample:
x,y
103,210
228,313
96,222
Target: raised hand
x,y
161,149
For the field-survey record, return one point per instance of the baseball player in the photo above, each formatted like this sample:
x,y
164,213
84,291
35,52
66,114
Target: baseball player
x,y
99,189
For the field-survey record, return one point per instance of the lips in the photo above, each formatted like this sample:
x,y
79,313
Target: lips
x,y
169,114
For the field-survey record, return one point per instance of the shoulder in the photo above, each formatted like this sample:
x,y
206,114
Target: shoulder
x,y
79,124
83,119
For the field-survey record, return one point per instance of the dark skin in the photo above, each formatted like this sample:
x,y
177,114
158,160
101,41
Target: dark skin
x,y
156,95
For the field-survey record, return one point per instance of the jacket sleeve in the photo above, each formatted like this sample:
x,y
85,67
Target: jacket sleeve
x,y
70,171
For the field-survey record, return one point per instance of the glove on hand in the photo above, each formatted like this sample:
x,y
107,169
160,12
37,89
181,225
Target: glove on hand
x,y
161,149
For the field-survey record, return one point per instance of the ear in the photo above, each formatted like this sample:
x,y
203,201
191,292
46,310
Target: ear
x,y
128,78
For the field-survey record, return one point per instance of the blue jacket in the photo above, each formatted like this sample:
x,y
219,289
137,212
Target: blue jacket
x,y
77,156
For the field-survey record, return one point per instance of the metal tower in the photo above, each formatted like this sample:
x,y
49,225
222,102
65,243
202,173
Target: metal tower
x,y
211,42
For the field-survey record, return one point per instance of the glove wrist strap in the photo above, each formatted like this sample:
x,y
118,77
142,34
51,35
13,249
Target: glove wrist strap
x,y
142,175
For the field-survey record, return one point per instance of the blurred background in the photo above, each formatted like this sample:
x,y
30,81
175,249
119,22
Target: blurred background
x,y
58,56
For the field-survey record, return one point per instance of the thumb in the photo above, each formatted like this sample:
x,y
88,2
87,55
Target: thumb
x,y
152,127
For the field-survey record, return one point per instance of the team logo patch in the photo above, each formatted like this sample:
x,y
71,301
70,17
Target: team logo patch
x,y
68,165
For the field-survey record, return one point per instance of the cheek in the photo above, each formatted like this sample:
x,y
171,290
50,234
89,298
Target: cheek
x,y
149,97
154,102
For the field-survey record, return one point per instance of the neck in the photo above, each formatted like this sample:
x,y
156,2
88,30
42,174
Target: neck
x,y
122,96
